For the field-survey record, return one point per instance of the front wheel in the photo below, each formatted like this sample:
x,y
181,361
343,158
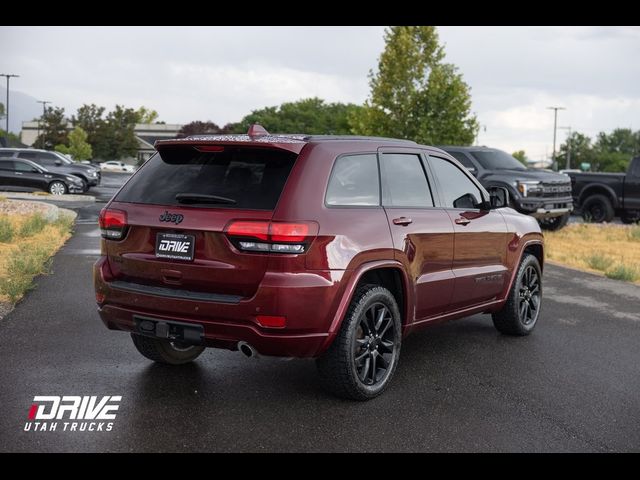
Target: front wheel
x,y
165,351
363,357
554,223
57,188
522,309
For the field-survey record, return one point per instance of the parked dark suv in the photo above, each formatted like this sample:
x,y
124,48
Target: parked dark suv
x,y
328,247
57,163
542,194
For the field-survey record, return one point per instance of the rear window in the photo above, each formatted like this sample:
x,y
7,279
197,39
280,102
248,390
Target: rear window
x,y
240,178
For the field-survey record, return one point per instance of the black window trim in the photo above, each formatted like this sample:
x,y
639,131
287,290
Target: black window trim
x,y
333,166
420,155
457,164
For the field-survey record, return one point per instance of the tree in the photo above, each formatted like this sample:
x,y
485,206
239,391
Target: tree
x,y
120,132
199,128
78,147
309,115
414,94
53,128
90,118
521,156
2,112
146,115
579,148
621,140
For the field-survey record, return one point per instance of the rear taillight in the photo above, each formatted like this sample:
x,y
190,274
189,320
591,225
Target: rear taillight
x,y
113,223
271,237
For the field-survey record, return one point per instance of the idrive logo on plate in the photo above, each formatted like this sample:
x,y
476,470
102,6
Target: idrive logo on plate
x,y
71,413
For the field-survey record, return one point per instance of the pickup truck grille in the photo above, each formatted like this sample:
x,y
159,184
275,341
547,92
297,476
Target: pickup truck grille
x,y
552,190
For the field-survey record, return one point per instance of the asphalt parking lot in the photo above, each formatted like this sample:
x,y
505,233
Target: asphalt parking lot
x,y
573,385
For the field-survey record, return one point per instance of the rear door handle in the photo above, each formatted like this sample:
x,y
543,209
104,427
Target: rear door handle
x,y
402,221
462,221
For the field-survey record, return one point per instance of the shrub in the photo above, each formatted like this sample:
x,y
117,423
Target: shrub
x,y
22,267
33,225
6,230
598,261
622,272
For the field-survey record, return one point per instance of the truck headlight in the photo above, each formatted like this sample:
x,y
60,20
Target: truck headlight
x,y
529,188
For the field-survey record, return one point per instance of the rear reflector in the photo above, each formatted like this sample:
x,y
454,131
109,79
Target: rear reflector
x,y
100,297
272,321
113,223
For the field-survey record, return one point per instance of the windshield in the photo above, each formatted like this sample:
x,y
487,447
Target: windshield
x,y
497,160
64,158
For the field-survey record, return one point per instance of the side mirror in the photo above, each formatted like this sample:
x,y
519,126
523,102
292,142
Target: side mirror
x,y
58,162
499,197
472,170
35,170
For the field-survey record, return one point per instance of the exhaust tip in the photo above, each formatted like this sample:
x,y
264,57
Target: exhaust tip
x,y
246,349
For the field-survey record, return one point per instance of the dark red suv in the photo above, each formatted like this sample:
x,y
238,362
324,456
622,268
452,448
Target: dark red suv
x,y
310,246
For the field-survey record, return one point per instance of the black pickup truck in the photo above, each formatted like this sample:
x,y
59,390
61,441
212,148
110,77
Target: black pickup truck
x,y
601,196
542,194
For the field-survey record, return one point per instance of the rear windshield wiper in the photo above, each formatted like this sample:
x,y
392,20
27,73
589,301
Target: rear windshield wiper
x,y
203,198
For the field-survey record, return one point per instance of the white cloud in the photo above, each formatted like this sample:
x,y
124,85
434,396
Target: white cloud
x,y
221,73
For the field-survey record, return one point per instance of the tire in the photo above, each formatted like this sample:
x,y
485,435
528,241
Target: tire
x,y
351,368
554,223
58,188
85,184
512,320
161,350
597,209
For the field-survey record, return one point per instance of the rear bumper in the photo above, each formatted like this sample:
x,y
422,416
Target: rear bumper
x,y
309,302
545,207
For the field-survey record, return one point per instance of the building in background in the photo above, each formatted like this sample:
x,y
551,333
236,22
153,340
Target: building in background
x,y
146,134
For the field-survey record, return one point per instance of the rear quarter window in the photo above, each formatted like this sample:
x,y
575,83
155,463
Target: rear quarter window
x,y
252,177
354,181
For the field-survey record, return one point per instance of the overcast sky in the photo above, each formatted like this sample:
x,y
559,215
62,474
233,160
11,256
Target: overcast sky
x,y
221,73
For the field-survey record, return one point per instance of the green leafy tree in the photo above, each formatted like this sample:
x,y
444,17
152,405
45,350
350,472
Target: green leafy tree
x,y
621,140
521,156
2,112
578,148
91,119
199,128
78,147
146,115
53,128
414,94
120,132
309,115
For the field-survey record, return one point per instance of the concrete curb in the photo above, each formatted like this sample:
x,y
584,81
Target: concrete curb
x,y
47,197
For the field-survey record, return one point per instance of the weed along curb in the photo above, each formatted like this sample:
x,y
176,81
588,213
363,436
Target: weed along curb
x,y
30,234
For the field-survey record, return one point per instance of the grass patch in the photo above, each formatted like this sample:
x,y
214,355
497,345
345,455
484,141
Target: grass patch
x,y
598,261
33,224
2,198
622,272
21,268
602,248
6,230
29,252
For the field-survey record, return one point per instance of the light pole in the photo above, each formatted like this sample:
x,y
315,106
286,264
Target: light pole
x,y
568,166
8,77
44,111
555,126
